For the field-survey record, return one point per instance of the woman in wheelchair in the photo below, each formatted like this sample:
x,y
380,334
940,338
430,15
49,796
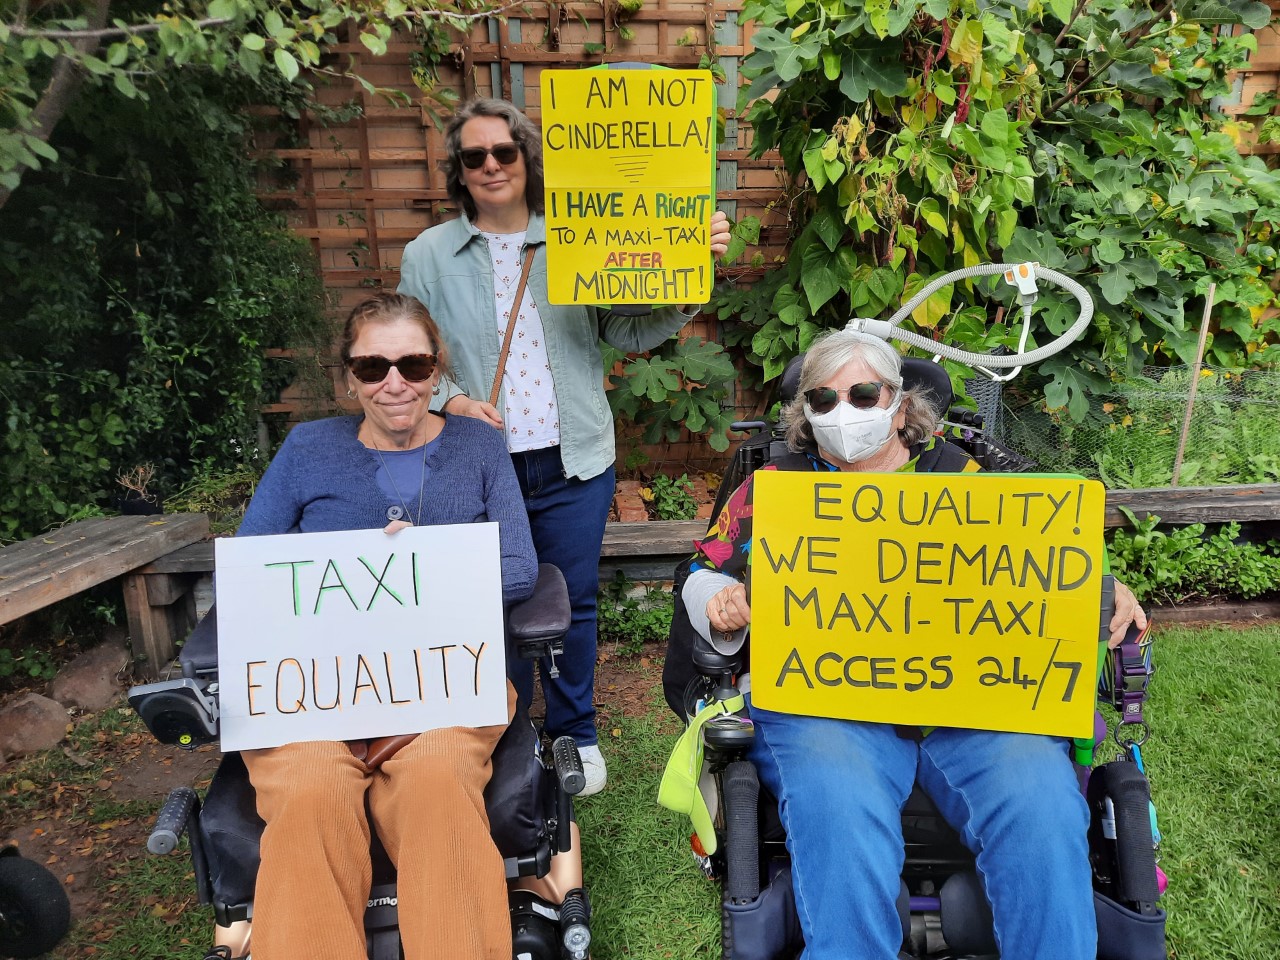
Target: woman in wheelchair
x,y
841,784
395,465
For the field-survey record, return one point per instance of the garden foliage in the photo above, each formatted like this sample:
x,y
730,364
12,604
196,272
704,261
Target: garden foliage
x,y
140,283
1183,563
681,384
926,135
631,615
50,52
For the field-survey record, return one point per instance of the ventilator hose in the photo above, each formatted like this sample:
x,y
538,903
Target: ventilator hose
x,y
887,329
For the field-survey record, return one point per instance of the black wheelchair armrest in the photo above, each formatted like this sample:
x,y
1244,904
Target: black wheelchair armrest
x,y
537,625
182,711
710,662
199,654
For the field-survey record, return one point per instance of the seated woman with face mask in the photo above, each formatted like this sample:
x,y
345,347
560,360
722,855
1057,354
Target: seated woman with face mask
x,y
841,784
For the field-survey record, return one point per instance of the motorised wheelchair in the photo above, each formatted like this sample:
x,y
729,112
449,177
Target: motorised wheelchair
x,y
529,799
942,905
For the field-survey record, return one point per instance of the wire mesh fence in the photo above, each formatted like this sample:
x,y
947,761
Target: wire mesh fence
x,y
1130,437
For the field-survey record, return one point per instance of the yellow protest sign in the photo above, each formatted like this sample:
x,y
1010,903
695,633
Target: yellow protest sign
x,y
928,599
628,161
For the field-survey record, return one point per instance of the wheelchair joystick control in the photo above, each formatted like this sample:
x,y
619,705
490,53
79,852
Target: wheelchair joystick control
x,y
575,935
171,822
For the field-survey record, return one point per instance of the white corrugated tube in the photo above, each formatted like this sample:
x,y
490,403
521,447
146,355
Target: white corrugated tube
x,y
888,329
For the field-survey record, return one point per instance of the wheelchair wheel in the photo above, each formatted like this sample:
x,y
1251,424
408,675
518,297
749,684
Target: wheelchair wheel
x,y
34,910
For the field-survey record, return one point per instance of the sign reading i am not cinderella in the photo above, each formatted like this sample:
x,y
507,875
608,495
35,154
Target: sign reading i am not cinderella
x,y
629,159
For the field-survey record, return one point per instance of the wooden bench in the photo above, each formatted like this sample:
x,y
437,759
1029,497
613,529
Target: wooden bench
x,y
650,551
38,572
641,551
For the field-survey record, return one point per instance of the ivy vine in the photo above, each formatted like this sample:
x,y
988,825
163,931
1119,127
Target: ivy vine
x,y
926,135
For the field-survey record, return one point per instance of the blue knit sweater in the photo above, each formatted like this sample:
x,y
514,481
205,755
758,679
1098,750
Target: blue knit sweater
x,y
323,480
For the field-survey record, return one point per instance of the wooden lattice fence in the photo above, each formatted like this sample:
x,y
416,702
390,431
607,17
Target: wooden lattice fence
x,y
361,188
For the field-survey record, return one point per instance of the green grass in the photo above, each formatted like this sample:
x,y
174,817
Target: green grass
x,y
1214,763
1213,757
648,897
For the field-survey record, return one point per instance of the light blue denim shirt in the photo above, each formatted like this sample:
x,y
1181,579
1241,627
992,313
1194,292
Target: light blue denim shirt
x,y
448,268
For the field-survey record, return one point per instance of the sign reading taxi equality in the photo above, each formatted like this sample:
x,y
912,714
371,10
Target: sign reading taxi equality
x,y
628,162
925,599
357,634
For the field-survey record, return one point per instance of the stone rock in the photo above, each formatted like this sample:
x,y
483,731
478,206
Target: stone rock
x,y
631,508
30,724
628,503
90,681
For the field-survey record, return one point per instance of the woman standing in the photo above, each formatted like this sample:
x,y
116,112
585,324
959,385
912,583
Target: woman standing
x,y
551,407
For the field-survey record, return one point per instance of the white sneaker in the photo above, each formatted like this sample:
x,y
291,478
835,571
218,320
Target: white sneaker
x,y
594,769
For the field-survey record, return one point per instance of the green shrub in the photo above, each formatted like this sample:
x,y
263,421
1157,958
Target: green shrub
x,y
32,662
630,621
672,499
1184,564
927,135
141,281
223,494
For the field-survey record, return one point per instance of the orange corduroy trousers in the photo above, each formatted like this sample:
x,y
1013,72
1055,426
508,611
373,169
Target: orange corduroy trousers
x,y
427,803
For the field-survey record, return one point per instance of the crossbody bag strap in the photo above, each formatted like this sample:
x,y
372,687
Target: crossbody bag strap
x,y
511,326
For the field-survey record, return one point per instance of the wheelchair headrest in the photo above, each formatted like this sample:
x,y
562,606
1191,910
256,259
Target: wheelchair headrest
x,y
917,374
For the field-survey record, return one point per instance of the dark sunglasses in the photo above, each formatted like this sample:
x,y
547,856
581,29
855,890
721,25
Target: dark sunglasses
x,y
864,396
414,367
505,153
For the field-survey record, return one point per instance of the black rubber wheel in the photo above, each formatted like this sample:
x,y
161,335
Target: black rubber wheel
x,y
34,910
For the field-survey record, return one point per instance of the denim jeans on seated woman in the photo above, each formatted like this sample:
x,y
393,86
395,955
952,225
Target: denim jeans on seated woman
x,y
1013,798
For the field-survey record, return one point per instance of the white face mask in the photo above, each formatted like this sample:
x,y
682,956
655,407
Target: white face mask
x,y
850,434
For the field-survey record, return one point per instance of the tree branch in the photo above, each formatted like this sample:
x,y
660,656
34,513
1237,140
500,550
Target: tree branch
x,y
109,32
63,85
1075,15
1130,40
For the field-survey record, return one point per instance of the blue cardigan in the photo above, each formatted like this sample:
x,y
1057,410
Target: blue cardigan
x,y
323,480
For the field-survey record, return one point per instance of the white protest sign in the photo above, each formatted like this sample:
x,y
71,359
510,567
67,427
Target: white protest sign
x,y
344,636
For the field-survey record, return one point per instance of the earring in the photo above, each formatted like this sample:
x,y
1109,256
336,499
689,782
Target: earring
x,y
351,394
435,391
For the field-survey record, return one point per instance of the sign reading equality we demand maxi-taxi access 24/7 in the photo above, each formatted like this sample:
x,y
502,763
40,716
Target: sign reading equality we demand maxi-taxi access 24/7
x,y
628,160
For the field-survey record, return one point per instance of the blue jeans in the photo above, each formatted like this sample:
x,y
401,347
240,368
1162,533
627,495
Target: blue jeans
x,y
1013,798
567,517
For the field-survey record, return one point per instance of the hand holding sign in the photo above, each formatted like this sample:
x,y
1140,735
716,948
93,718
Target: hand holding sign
x,y
967,601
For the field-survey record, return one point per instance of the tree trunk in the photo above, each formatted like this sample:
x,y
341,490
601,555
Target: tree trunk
x,y
63,86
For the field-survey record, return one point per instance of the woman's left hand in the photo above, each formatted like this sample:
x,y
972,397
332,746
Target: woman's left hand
x,y
719,234
395,526
1128,611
